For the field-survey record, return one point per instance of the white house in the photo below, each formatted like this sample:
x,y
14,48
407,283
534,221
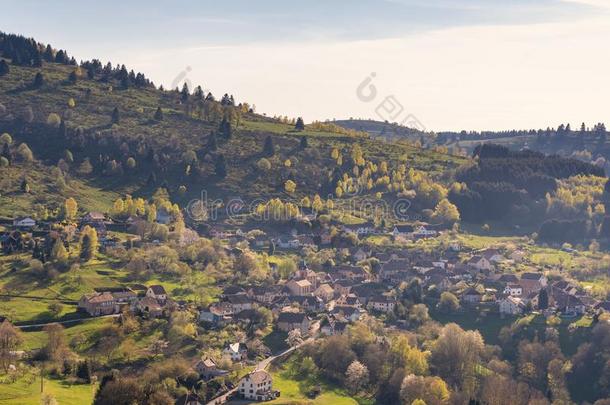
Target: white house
x,y
382,303
511,306
514,290
288,243
257,386
423,232
157,292
236,352
24,222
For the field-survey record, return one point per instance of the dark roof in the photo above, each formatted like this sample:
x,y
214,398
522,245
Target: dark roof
x,y
238,299
531,276
157,289
404,228
471,291
291,317
233,289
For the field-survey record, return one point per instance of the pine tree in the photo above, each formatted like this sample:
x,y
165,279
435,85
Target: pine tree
x,y
38,80
72,78
304,143
225,128
116,115
300,125
83,371
4,68
268,149
221,166
543,299
184,94
159,114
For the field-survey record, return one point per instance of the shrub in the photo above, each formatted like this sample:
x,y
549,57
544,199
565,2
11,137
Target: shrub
x,y
54,120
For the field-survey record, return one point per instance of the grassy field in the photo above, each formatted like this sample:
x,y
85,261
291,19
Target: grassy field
x,y
26,391
294,389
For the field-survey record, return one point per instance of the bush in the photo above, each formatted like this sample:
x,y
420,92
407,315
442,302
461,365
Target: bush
x,y
25,153
54,120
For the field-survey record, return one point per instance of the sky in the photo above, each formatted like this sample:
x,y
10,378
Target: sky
x,y
436,64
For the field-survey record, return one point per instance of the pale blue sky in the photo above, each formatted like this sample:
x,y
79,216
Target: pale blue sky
x,y
307,58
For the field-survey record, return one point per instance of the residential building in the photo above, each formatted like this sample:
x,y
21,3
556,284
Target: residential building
x,y
157,292
257,386
299,287
511,305
24,223
382,303
288,321
97,304
236,352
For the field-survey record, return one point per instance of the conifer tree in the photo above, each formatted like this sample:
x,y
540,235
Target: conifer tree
x,y
268,148
4,68
38,80
116,115
159,114
72,78
300,125
304,144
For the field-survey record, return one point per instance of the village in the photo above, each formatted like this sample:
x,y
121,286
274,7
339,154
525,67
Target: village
x,y
363,281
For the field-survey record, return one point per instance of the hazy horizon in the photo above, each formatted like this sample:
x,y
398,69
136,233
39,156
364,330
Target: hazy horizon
x,y
467,64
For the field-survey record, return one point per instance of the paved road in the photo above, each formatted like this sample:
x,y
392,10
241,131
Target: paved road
x,y
263,364
38,325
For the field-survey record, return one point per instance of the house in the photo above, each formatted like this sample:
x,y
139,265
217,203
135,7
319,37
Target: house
x,y
217,314
24,223
305,273
308,303
207,369
421,232
121,295
220,232
92,218
257,386
382,303
299,287
331,326
394,266
345,271
325,292
236,352
97,304
508,279
349,314
360,229
288,321
287,242
567,304
514,290
349,300
266,294
532,282
239,302
359,254
150,307
471,296
511,305
260,241
480,263
157,292
518,256
343,287
402,230
493,255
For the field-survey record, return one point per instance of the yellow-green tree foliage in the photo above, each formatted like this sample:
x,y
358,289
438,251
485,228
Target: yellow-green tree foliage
x,y
70,208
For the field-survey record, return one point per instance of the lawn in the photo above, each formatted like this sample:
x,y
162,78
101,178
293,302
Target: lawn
x,y
293,389
26,391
